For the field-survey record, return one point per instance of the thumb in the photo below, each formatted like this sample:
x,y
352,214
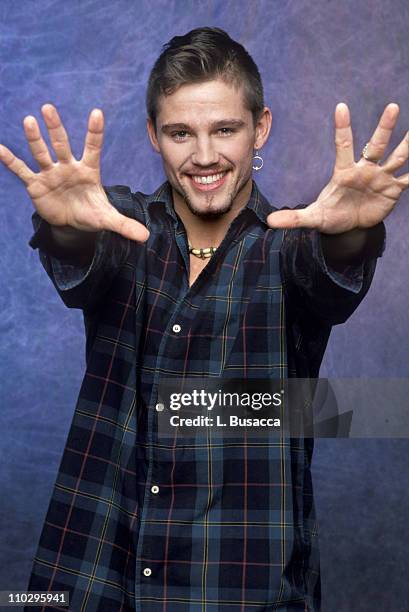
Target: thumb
x,y
128,228
288,219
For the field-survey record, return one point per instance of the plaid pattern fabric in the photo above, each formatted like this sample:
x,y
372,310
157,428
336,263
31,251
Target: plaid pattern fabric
x,y
232,524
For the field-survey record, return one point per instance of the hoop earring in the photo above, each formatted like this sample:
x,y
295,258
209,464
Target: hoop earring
x,y
258,161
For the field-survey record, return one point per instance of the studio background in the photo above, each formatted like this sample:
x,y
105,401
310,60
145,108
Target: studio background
x,y
312,55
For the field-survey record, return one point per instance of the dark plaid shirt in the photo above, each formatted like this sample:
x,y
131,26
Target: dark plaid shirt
x,y
228,525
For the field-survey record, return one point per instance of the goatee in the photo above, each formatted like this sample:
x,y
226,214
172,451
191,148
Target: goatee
x,y
208,214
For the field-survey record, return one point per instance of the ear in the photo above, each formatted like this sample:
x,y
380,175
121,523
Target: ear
x,y
263,128
152,134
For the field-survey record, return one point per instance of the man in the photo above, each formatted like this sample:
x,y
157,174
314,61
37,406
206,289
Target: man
x,y
203,278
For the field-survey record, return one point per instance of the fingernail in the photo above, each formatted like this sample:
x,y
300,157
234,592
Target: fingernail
x,y
49,108
29,121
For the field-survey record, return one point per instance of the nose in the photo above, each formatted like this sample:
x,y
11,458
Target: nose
x,y
204,153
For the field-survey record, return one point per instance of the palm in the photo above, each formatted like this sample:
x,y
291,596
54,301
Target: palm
x,y
62,178
360,194
68,192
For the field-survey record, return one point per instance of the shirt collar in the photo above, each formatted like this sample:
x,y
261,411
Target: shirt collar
x,y
257,203
162,197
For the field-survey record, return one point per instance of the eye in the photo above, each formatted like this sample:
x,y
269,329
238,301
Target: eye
x,y
180,135
226,131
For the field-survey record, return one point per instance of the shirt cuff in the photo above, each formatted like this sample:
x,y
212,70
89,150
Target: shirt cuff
x,y
351,277
43,239
67,268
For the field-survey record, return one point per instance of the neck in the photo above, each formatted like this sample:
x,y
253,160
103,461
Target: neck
x,y
204,233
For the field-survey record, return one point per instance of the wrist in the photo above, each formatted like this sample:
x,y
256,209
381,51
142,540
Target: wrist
x,y
353,245
67,236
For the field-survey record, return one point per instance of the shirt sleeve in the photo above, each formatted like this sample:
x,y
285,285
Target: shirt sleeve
x,y
311,283
82,281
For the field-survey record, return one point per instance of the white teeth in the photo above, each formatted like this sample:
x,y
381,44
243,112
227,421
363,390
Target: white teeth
x,y
206,180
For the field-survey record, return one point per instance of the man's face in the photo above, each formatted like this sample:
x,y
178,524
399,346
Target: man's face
x,y
206,138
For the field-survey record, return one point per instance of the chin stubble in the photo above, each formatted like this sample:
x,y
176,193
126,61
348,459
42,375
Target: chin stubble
x,y
211,214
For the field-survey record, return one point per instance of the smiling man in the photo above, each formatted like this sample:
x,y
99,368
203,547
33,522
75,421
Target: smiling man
x,y
207,157
202,279
206,136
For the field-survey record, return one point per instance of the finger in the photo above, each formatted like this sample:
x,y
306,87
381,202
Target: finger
x,y
129,228
16,165
94,138
398,157
290,219
344,144
36,143
403,181
58,135
381,136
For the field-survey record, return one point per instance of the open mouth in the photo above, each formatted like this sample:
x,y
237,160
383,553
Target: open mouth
x,y
207,183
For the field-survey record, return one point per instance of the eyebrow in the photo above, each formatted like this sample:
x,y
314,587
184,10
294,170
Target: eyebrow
x,y
167,127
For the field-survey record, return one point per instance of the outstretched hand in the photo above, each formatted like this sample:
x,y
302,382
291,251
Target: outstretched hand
x,y
360,194
68,193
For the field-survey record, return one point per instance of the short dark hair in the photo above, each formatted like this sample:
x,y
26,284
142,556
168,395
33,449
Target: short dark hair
x,y
202,55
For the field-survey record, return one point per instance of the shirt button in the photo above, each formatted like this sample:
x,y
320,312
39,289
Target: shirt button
x,y
159,407
147,571
155,489
176,328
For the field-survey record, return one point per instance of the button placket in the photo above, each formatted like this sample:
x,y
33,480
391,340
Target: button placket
x,y
159,406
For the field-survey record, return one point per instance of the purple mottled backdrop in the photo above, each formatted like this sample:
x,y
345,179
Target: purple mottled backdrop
x,y
312,54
